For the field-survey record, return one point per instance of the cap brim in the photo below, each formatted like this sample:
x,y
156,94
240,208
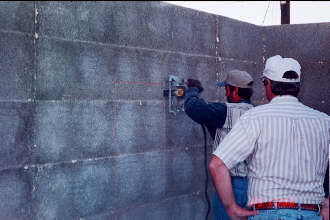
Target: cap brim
x,y
222,84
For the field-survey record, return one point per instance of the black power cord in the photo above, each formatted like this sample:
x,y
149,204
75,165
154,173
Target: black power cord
x,y
206,173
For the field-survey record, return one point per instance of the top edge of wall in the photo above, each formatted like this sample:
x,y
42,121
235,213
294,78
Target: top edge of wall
x,y
289,25
237,20
208,13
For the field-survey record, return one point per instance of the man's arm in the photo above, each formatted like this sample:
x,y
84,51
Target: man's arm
x,y
222,182
213,114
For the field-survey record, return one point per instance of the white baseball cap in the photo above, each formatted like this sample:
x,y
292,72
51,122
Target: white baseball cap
x,y
276,66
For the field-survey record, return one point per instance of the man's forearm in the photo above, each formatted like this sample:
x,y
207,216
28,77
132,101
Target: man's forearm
x,y
325,209
222,181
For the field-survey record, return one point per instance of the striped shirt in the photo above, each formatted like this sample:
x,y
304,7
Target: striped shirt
x,y
286,145
234,111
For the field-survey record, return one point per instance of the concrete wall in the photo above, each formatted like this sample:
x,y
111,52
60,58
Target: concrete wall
x,y
86,133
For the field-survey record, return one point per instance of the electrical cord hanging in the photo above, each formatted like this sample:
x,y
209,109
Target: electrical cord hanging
x,y
206,174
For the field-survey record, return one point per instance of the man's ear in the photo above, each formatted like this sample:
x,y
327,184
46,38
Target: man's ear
x,y
227,90
236,91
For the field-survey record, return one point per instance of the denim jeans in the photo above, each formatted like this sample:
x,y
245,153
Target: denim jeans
x,y
286,214
240,185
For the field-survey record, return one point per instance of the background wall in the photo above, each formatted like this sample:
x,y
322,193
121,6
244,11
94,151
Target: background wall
x,y
86,132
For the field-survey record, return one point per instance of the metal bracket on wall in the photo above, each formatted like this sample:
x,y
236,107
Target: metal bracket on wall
x,y
176,91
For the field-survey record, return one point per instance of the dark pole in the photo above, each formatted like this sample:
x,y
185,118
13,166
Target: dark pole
x,y
285,12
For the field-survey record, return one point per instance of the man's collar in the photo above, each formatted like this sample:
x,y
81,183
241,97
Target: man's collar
x,y
284,98
244,101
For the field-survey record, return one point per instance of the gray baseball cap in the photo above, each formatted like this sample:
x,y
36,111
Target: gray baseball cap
x,y
238,78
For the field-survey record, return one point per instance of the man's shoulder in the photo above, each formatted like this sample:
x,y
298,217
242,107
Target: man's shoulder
x,y
299,110
317,113
239,105
257,109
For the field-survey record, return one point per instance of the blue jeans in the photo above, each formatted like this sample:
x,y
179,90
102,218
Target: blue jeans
x,y
240,185
286,214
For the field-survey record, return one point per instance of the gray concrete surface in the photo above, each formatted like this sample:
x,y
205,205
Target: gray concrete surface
x,y
315,85
15,194
17,16
139,24
86,132
235,41
69,130
73,190
16,133
17,66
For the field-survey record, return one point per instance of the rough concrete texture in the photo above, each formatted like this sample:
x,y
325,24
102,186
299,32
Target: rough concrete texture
x,y
17,66
16,119
86,132
177,124
315,87
15,194
17,16
148,119
161,170
95,71
180,207
67,70
70,130
235,41
73,190
162,26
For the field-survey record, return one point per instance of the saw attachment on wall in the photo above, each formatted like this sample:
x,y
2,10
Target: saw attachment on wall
x,y
175,93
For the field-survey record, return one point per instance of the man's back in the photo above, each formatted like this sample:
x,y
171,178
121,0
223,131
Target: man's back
x,y
291,149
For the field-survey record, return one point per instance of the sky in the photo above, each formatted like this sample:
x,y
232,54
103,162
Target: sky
x,y
263,12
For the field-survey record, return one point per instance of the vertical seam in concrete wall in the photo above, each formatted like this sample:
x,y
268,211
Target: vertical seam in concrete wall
x,y
35,36
34,80
34,92
114,112
217,52
115,115
264,47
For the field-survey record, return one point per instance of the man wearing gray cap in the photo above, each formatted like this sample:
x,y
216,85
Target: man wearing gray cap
x,y
286,145
219,118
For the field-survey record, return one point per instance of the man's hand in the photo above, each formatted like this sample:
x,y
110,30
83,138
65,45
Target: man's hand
x,y
325,209
236,212
195,83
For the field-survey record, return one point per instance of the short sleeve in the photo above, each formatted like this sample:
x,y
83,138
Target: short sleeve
x,y
239,142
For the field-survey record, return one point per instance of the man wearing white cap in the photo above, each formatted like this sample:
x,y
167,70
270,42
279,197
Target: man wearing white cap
x,y
219,118
286,145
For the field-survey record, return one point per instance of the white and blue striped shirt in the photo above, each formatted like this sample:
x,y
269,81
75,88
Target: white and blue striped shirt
x,y
286,145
